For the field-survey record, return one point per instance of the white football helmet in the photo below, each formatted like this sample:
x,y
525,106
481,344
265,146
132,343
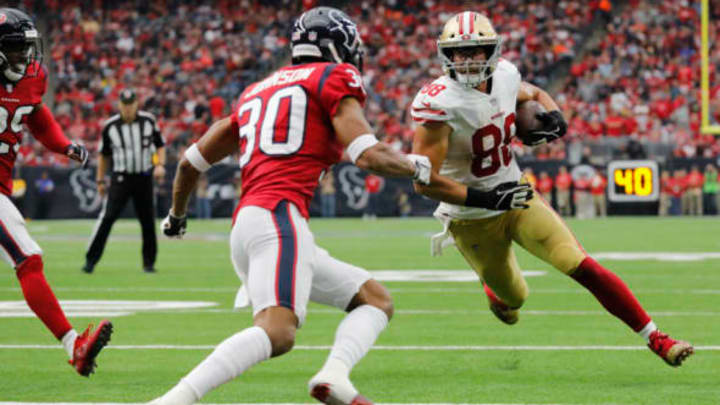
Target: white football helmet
x,y
465,30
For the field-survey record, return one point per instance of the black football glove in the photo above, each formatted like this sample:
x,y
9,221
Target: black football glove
x,y
79,153
553,127
507,196
174,227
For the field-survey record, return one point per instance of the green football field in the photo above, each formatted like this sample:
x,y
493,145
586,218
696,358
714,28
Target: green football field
x,y
443,345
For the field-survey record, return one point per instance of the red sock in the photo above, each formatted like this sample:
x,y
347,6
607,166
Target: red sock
x,y
40,297
612,293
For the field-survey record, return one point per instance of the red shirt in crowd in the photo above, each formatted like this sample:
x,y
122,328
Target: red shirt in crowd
x,y
676,187
544,185
662,108
582,184
695,179
666,185
217,107
598,185
563,181
615,125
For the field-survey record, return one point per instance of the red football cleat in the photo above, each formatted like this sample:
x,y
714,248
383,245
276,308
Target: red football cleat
x,y
88,346
322,393
674,352
501,310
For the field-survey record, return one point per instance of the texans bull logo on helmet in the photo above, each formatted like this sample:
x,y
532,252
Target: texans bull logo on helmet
x,y
327,34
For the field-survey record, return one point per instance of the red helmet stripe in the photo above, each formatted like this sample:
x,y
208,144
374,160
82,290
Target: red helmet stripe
x,y
460,23
472,22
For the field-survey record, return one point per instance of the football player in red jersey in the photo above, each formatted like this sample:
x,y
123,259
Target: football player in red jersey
x,y
24,82
289,128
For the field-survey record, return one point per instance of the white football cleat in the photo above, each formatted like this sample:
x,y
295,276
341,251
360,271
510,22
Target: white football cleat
x,y
334,390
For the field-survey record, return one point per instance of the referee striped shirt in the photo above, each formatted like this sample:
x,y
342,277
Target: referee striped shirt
x,y
131,144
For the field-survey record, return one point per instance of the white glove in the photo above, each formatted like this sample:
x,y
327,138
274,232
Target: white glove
x,y
423,168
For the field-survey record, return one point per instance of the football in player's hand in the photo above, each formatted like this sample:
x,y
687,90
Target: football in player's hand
x,y
526,120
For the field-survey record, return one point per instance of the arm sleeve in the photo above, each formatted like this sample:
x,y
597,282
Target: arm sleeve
x,y
338,82
45,129
105,147
158,139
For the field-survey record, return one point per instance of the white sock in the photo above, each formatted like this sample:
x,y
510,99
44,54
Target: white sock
x,y
68,342
181,394
229,359
354,337
647,330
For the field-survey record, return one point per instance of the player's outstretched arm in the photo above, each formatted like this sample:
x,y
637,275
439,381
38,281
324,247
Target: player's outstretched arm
x,y
431,140
367,153
219,141
554,125
46,129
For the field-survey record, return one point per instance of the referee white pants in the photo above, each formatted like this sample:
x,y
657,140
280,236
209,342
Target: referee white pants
x,y
17,245
275,256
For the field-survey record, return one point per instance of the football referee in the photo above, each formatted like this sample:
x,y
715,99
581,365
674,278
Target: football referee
x,y
129,140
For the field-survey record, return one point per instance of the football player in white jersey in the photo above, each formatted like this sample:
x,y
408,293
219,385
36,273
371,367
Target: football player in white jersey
x,y
466,122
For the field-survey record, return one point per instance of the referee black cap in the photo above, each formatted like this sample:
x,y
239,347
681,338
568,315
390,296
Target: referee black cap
x,y
128,96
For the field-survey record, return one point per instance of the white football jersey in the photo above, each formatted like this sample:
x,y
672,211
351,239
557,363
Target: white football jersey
x,y
479,153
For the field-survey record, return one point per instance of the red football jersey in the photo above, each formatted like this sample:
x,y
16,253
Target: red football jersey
x,y
285,132
16,102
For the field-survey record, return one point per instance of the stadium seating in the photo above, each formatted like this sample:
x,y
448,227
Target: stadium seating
x,y
629,77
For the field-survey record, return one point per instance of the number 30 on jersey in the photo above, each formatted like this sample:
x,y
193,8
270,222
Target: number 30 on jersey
x,y
271,143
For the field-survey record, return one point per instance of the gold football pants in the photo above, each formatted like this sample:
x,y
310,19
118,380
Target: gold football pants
x,y
486,244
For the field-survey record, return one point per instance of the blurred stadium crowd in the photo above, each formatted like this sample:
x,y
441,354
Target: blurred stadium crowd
x,y
626,73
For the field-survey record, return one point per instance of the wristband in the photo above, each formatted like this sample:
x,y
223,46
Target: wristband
x,y
360,145
196,159
476,198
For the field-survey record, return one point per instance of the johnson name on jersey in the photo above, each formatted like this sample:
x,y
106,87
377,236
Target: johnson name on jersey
x,y
16,102
286,134
483,125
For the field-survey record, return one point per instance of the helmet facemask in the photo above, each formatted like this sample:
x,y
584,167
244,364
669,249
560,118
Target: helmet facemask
x,y
18,51
471,72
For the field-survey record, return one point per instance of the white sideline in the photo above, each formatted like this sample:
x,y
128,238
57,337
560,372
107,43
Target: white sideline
x,y
406,348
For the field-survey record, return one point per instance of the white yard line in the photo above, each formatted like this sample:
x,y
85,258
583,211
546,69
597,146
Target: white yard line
x,y
401,290
404,348
660,256
91,313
